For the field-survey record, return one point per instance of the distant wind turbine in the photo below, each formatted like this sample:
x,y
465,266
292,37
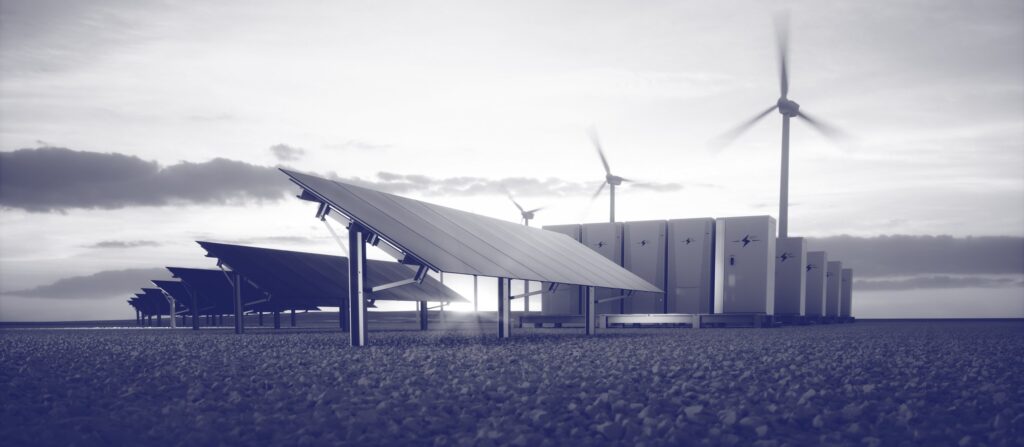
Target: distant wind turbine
x,y
610,179
788,109
526,216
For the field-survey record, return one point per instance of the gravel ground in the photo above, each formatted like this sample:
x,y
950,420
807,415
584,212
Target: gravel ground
x,y
869,383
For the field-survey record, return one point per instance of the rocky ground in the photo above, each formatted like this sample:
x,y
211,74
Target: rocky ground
x,y
865,384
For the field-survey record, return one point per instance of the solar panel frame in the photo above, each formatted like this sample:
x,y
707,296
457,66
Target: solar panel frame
x,y
324,278
454,241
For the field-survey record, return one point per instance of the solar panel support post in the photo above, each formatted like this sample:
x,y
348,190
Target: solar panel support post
x,y
172,305
423,315
159,319
357,284
589,306
195,310
293,317
138,318
260,320
504,302
526,292
236,285
277,319
475,293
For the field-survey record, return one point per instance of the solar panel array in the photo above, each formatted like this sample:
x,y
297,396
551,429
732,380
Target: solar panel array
x,y
454,241
312,279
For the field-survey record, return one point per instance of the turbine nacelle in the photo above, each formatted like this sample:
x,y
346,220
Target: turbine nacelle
x,y
788,108
613,180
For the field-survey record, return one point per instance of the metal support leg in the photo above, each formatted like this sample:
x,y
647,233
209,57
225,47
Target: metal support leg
x,y
504,302
236,280
261,318
173,317
589,308
357,284
526,299
138,318
195,313
277,319
423,315
293,317
475,290
159,320
150,318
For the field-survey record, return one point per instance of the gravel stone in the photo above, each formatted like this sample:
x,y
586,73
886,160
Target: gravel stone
x,y
864,384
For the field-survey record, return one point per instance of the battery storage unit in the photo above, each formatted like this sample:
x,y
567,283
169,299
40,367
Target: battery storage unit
x,y
606,239
790,276
566,299
845,293
815,270
832,288
691,266
745,265
643,253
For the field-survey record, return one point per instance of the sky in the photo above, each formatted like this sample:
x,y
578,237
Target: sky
x,y
130,129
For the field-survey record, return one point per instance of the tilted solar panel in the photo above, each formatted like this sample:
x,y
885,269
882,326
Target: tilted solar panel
x,y
213,291
175,289
454,241
322,280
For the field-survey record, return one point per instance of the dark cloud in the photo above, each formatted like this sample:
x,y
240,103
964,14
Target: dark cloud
x,y
124,244
939,282
901,255
55,179
284,152
105,284
290,240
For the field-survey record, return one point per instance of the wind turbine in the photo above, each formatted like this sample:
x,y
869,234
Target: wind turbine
x,y
610,179
788,109
527,216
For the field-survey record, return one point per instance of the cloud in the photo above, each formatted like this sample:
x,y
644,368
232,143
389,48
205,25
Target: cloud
x,y
939,282
55,179
284,152
902,255
358,145
52,179
124,244
472,186
105,284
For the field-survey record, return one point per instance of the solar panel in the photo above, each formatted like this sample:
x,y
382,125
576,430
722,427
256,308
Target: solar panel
x,y
322,280
454,241
213,291
176,290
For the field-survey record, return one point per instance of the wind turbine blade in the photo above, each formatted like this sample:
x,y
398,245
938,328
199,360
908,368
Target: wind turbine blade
x,y
600,152
782,41
536,209
626,179
825,129
515,203
601,188
724,139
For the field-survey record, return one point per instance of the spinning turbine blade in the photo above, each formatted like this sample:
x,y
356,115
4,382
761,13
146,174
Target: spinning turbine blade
x,y
782,41
600,152
598,191
515,203
825,129
536,209
723,140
